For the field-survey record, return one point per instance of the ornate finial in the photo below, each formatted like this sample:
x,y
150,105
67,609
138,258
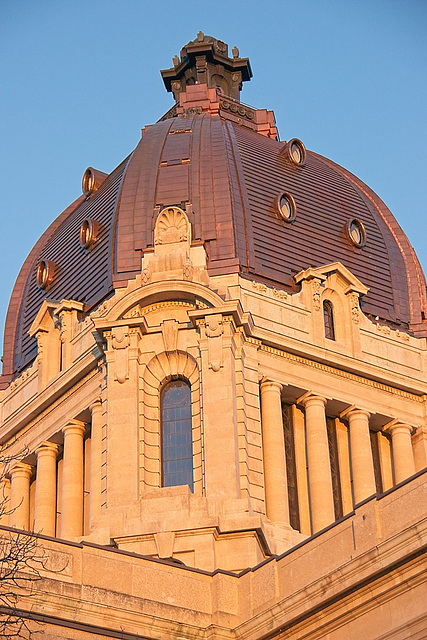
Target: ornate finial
x,y
206,61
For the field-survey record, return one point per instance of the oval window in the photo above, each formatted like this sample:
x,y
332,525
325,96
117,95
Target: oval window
x,y
88,232
44,274
296,151
88,182
286,207
356,233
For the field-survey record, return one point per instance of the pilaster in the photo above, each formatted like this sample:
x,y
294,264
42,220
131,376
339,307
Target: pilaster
x,y
123,394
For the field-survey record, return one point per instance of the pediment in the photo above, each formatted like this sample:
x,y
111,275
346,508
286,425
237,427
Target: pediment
x,y
338,276
44,320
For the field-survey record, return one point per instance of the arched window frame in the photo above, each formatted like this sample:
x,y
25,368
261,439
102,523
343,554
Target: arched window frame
x,y
162,368
174,434
329,320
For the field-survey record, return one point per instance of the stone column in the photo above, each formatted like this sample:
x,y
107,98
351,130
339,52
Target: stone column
x,y
319,466
72,481
403,455
20,496
45,498
362,464
95,463
273,444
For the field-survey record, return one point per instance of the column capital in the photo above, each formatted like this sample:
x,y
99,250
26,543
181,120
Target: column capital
x,y
267,383
21,469
74,426
96,404
397,426
47,448
310,398
354,410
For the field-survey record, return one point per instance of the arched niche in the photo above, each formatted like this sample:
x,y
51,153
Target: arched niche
x,y
160,370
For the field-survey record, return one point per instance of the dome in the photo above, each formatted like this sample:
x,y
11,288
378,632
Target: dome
x,y
221,161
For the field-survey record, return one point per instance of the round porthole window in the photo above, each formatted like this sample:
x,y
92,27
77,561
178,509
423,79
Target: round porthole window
x,y
356,233
92,180
88,231
88,182
286,207
296,151
44,274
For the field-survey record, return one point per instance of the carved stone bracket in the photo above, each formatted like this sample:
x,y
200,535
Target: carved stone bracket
x,y
214,330
120,342
170,335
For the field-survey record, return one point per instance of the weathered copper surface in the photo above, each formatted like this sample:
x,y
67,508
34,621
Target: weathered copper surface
x,y
222,163
80,274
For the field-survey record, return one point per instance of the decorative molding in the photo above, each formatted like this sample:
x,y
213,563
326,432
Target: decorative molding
x,y
139,312
272,291
236,108
213,325
187,269
342,374
402,335
21,379
145,276
191,111
349,282
56,403
103,308
354,303
124,299
135,312
387,331
316,293
172,226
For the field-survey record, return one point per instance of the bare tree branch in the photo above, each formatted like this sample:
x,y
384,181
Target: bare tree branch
x,y
21,559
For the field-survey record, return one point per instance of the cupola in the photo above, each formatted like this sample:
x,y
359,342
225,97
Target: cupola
x,y
205,60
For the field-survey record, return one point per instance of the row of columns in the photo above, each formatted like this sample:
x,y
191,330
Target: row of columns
x,y
318,461
72,493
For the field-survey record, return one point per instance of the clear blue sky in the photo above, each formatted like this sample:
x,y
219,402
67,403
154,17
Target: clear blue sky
x,y
80,78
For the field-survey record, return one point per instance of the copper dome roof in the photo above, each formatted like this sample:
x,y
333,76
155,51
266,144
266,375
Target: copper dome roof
x,y
221,161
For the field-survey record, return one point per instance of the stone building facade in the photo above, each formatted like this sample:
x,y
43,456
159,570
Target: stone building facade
x,y
215,382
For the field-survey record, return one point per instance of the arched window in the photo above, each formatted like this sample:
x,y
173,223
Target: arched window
x,y
328,319
176,435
